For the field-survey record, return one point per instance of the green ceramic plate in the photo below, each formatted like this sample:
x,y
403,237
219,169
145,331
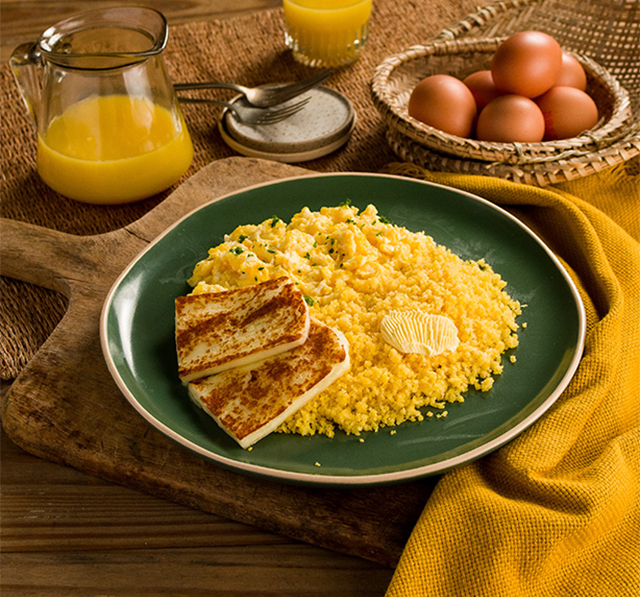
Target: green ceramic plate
x,y
137,331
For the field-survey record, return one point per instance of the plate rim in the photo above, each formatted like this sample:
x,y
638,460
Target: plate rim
x,y
328,480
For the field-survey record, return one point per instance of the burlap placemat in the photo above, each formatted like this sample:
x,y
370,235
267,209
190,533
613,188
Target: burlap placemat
x,y
248,50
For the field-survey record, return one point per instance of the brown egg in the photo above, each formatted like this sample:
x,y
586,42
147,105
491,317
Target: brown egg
x,y
527,63
567,112
445,103
483,88
510,119
571,74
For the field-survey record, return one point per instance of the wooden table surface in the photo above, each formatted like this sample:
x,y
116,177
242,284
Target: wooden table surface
x,y
66,533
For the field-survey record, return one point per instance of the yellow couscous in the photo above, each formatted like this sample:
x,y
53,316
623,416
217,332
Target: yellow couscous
x,y
354,267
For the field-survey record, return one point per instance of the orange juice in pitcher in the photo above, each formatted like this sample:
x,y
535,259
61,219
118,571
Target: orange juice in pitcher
x,y
109,128
113,149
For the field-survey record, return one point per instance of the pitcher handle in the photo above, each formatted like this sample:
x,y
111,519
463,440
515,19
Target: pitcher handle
x,y
26,63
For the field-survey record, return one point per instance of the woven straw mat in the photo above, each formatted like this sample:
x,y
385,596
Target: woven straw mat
x,y
199,51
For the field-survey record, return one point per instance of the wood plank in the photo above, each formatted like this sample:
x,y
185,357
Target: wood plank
x,y
67,533
49,507
283,570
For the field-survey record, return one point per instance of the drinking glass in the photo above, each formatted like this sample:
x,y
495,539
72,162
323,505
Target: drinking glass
x,y
325,33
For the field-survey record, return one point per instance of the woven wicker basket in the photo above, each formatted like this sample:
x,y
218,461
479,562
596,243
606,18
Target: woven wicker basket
x,y
397,76
601,34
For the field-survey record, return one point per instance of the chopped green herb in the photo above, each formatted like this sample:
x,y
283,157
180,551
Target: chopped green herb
x,y
242,238
384,220
346,203
236,250
275,220
309,300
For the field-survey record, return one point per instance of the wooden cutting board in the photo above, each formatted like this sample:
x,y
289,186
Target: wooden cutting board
x,y
65,407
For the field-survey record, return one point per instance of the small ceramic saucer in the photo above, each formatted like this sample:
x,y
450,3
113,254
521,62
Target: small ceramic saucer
x,y
322,126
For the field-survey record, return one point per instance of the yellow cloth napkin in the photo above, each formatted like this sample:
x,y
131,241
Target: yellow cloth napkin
x,y
556,512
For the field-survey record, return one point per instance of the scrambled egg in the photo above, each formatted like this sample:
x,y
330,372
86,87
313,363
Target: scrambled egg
x,y
353,268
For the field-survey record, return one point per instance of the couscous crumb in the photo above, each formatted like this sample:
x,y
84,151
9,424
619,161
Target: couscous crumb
x,y
354,267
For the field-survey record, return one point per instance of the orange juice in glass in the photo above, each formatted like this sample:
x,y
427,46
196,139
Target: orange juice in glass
x,y
326,32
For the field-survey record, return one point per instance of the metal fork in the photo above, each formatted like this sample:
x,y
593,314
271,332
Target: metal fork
x,y
253,115
262,97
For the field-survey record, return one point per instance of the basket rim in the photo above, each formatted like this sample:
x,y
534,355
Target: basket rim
x,y
605,132
481,16
553,172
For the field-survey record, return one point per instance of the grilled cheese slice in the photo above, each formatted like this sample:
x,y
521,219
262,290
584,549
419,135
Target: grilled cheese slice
x,y
220,331
251,401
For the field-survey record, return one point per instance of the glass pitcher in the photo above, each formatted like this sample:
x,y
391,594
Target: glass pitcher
x,y
109,128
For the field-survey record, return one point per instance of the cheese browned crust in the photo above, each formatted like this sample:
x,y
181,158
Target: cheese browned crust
x,y
251,401
220,331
